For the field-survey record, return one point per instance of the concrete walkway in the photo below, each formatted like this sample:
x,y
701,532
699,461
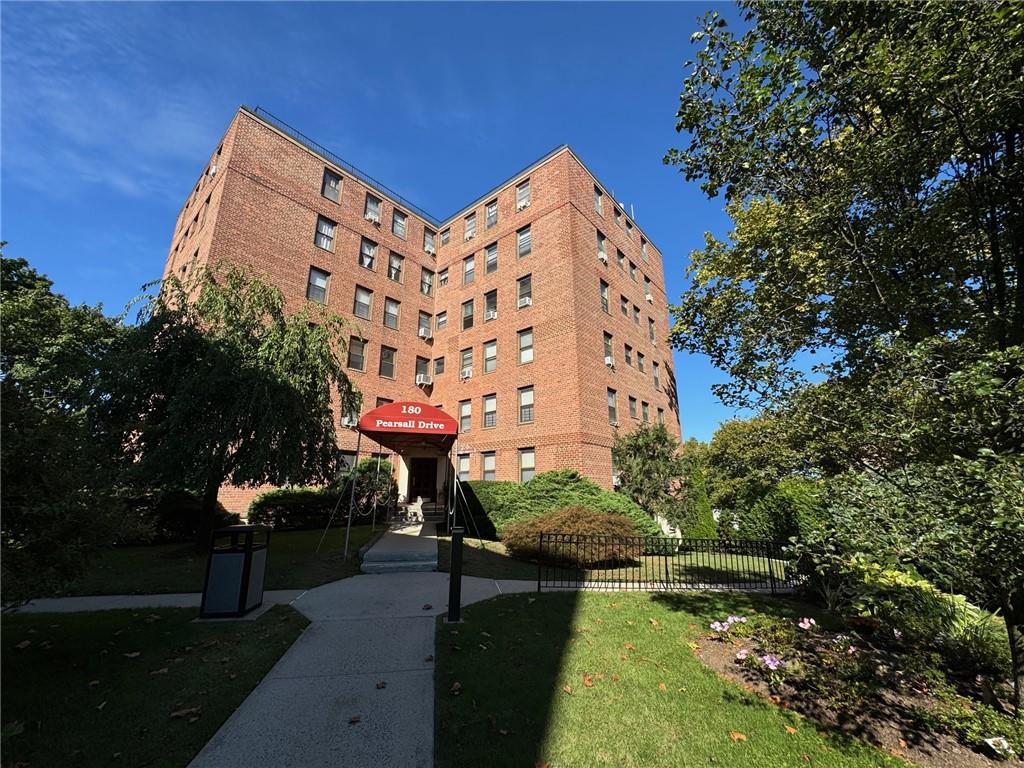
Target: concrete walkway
x,y
113,602
357,688
411,547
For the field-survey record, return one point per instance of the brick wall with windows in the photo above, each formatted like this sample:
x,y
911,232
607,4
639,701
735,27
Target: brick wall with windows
x,y
537,385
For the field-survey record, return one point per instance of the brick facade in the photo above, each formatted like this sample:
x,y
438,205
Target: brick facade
x,y
264,205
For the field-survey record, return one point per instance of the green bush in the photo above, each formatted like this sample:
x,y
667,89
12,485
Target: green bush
x,y
522,538
504,503
792,508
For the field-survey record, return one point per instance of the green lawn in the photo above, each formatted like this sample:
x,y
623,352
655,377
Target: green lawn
x,y
489,559
131,688
584,680
153,569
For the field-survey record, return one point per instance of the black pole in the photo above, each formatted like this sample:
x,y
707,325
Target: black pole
x,y
455,578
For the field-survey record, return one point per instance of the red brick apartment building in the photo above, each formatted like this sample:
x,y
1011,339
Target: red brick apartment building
x,y
536,316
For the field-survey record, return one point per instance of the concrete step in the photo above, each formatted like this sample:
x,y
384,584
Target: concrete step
x,y
398,566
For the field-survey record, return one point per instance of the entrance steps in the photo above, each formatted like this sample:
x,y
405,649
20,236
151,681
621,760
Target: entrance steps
x,y
405,547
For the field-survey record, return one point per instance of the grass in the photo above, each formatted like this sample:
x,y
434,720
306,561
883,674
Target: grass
x,y
102,688
584,680
491,560
162,568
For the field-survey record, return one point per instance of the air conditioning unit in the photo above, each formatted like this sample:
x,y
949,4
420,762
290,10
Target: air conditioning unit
x,y
525,301
213,170
429,249
466,373
371,216
614,423
423,380
609,361
425,333
616,480
491,314
523,205
603,258
349,421
650,299
468,236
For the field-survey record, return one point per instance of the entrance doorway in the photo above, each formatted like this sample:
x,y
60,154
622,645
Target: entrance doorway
x,y
422,478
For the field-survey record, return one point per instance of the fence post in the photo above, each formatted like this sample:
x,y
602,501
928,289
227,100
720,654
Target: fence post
x,y
770,547
455,578
540,557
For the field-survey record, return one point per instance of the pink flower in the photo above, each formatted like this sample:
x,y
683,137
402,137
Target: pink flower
x,y
741,654
851,650
806,623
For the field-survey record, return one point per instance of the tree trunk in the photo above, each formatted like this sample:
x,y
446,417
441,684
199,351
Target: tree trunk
x,y
208,512
1014,614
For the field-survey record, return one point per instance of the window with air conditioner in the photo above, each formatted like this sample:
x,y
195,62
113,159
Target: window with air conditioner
x,y
602,253
524,287
422,371
428,241
423,325
469,227
371,209
491,305
523,195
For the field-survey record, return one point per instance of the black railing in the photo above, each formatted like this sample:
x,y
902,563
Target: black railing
x,y
654,563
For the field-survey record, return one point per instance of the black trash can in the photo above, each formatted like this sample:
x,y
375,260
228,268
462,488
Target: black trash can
x,y
235,571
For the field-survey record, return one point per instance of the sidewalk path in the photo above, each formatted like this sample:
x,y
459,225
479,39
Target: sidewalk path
x,y
113,602
364,631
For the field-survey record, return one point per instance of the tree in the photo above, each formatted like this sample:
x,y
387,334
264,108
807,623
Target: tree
x,y
217,384
870,158
57,483
697,520
651,470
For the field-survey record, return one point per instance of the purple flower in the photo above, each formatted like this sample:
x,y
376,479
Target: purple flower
x,y
718,626
771,661
806,623
741,654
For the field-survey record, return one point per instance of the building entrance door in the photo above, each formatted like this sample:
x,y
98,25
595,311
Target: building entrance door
x,y
422,478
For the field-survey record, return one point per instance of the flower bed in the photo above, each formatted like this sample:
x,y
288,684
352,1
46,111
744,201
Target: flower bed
x,y
866,681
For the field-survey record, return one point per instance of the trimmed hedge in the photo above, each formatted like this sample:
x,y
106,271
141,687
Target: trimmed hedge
x,y
792,508
503,503
522,538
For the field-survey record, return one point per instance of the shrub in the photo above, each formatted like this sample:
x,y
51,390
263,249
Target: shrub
x,y
792,509
522,538
174,516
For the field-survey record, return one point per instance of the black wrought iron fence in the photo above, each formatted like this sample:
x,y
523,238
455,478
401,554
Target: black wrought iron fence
x,y
654,563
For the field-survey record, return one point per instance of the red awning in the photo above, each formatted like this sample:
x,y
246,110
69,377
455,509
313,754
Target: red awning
x,y
404,427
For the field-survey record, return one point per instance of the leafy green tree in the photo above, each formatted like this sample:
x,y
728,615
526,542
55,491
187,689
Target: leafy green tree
x,y
650,469
56,482
697,520
218,384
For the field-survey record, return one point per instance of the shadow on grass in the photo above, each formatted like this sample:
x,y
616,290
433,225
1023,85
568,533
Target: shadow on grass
x,y
488,561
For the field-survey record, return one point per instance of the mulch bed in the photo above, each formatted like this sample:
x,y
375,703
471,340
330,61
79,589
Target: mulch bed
x,y
888,724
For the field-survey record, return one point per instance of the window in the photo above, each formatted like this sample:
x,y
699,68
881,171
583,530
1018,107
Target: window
x,y
423,324
316,287
428,241
442,277
440,320
601,252
331,186
643,249
657,375
387,362
647,288
490,411
382,401
608,345
391,313
620,259
624,305
350,418
490,356
524,241
527,464
628,354
632,271
371,209
636,314
598,201
357,354
661,417
469,227
522,194
632,408
640,362
398,222
613,409
646,410
618,217
362,302
466,358
491,214
526,405
467,315
446,235
526,345
465,415
422,367
629,227
468,270
438,366
464,467
490,305
604,297
524,287
650,328
367,253
324,233
395,262
426,282
487,462
491,258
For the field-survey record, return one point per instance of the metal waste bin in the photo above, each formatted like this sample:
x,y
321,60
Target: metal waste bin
x,y
235,571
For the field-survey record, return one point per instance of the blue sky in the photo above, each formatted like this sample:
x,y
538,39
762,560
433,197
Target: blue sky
x,y
109,112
